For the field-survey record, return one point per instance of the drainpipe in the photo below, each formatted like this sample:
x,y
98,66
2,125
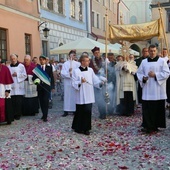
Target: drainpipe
x,y
88,16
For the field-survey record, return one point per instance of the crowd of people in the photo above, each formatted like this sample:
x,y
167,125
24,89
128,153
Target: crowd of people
x,y
115,83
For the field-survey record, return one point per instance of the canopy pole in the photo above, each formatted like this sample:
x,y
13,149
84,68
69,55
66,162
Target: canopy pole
x,y
163,26
107,100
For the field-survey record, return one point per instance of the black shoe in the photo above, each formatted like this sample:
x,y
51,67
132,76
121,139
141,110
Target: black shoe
x,y
17,117
87,133
8,122
152,131
143,130
78,131
45,120
65,114
42,118
102,117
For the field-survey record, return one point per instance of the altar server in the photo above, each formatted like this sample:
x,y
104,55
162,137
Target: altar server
x,y
152,75
84,79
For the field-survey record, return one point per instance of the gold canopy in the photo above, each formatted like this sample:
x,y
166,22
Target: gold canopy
x,y
135,32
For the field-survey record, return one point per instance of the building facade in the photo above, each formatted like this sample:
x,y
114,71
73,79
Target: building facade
x,y
67,21
98,17
19,32
139,12
123,13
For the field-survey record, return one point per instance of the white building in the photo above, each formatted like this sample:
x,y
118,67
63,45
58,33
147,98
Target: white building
x,y
139,12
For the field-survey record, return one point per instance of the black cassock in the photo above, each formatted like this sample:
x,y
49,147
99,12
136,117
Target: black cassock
x,y
82,118
9,114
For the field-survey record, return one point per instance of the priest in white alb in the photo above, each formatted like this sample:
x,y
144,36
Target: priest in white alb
x,y
152,75
84,80
69,92
18,74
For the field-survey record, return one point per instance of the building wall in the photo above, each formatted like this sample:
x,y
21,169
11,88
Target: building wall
x,y
99,9
165,8
124,13
63,28
17,24
25,6
139,12
139,9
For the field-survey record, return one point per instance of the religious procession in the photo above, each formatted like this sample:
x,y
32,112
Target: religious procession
x,y
85,104
115,84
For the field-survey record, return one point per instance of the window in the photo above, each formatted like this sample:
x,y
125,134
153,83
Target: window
x,y
50,5
133,20
80,11
3,43
104,3
92,19
45,48
73,8
110,4
60,6
113,7
98,20
60,55
28,44
104,24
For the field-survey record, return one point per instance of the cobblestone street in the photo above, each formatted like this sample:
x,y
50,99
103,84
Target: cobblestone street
x,y
114,144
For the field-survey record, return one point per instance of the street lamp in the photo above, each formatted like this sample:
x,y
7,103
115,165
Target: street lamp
x,y
45,30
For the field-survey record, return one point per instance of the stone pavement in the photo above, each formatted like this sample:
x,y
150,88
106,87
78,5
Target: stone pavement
x,y
114,144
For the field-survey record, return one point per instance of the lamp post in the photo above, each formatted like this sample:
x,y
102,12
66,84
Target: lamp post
x,y
45,30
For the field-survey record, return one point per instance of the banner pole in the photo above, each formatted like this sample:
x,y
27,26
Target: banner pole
x,y
106,57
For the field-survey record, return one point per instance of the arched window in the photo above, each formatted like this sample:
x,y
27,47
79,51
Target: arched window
x,y
60,55
133,20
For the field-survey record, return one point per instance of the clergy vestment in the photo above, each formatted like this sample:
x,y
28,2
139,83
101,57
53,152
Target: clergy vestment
x,y
5,86
84,97
30,101
69,91
18,89
128,93
153,92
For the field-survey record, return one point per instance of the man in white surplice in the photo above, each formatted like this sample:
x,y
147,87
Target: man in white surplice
x,y
69,92
152,75
19,74
84,79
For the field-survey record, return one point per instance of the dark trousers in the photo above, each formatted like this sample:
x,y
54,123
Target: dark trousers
x,y
82,117
168,90
153,114
17,105
127,104
139,92
43,96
